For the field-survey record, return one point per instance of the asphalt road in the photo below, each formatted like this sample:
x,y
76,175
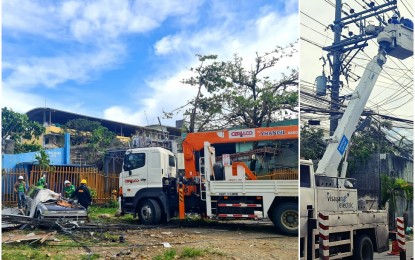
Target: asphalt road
x,y
409,252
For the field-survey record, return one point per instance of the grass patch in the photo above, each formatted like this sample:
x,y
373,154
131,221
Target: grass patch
x,y
90,257
96,212
167,255
189,252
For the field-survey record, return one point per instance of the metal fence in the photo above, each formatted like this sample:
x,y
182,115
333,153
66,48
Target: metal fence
x,y
8,179
281,174
101,186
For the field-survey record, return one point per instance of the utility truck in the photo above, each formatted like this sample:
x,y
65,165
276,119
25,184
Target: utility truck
x,y
333,223
152,189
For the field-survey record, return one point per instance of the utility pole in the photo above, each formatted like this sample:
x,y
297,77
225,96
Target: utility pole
x,y
335,85
345,48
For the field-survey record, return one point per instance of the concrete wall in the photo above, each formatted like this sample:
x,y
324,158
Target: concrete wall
x,y
368,183
57,156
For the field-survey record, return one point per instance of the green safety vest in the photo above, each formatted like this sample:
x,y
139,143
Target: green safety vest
x,y
41,182
21,186
68,191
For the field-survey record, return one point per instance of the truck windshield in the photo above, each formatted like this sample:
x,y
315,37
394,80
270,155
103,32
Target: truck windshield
x,y
134,160
172,161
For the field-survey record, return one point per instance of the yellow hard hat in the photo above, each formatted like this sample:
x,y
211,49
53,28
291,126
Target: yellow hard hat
x,y
83,181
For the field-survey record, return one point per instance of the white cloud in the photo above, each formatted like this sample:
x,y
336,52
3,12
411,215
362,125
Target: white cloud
x,y
51,71
96,29
93,29
259,35
167,94
168,44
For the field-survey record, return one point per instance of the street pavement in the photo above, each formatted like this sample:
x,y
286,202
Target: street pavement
x,y
409,252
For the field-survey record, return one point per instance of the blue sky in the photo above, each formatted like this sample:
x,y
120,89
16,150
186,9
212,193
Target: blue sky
x,y
124,60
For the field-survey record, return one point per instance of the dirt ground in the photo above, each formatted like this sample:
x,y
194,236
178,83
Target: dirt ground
x,y
213,240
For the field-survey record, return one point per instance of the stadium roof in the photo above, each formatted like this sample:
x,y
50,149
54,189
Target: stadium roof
x,y
59,117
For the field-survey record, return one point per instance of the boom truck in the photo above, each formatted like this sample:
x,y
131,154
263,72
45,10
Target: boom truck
x,y
152,189
333,223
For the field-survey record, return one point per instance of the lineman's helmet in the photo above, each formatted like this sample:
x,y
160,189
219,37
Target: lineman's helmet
x,y
83,181
20,178
66,182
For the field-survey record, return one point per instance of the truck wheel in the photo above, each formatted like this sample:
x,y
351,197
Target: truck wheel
x,y
363,249
149,212
285,218
218,171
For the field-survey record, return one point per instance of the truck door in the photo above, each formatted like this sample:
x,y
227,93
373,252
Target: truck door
x,y
135,173
155,170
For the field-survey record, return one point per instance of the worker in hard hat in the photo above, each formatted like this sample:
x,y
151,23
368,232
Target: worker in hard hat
x,y
20,188
83,195
41,183
68,189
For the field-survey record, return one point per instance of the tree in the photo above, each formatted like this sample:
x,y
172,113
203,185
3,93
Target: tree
x,y
101,139
43,159
230,95
91,134
370,141
393,188
16,126
312,144
363,143
80,130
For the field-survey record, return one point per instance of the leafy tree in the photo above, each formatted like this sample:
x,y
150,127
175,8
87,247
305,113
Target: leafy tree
x,y
16,126
363,143
101,139
27,147
91,134
370,141
312,144
393,188
81,130
43,158
228,94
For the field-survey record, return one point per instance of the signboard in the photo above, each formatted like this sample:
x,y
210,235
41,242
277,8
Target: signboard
x,y
226,160
343,145
241,133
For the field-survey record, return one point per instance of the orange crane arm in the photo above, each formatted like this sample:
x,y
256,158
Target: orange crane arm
x,y
194,141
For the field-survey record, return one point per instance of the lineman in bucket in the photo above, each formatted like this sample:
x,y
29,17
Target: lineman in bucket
x,y
68,189
20,188
83,195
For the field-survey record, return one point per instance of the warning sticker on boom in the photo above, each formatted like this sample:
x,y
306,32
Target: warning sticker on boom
x,y
343,145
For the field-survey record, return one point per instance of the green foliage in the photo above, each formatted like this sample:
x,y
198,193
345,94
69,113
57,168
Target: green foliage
x,y
392,188
26,148
90,256
93,192
228,94
167,255
43,158
92,134
370,141
21,252
189,252
16,126
312,144
112,204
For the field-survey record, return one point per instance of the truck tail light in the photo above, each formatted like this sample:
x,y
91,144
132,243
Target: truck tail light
x,y
120,192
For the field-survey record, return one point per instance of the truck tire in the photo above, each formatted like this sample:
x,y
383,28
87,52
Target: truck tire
x,y
363,248
149,212
218,171
285,218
